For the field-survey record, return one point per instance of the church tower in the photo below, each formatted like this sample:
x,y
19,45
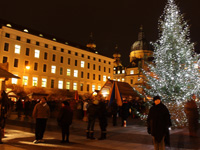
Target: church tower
x,y
91,43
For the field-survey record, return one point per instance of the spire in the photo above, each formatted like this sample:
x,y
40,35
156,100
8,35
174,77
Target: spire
x,y
91,43
141,34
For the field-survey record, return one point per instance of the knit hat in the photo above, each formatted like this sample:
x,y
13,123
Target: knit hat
x,y
156,97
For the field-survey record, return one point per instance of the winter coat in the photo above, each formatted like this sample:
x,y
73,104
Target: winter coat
x,y
114,108
102,114
41,110
92,111
125,110
158,121
65,116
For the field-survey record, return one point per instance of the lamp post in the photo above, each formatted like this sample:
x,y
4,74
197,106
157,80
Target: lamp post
x,y
26,68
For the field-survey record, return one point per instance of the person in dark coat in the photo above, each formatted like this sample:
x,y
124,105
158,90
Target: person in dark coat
x,y
158,123
192,114
125,112
102,115
114,110
65,120
19,107
92,115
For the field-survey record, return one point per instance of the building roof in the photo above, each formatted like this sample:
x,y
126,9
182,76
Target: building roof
x,y
141,43
6,74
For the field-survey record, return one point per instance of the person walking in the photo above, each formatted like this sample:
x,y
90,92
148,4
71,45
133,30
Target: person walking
x,y
41,113
102,115
64,119
114,110
92,115
124,112
158,123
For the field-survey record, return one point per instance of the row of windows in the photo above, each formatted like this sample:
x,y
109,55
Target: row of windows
x,y
18,47
16,62
60,84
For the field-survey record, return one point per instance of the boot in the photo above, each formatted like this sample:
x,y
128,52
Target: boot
x,y
92,136
88,134
102,136
1,136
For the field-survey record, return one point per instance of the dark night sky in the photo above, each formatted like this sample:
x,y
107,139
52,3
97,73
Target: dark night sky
x,y
111,21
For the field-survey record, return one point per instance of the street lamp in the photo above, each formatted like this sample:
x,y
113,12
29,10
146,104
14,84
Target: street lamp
x,y
26,68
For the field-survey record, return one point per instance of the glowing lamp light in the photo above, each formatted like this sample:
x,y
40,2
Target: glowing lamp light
x,y
94,94
27,67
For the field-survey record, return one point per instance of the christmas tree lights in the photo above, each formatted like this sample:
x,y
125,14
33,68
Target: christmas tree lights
x,y
173,75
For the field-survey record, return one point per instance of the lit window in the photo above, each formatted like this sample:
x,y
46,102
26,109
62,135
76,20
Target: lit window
x,y
99,87
68,72
118,79
68,85
37,53
82,64
44,82
108,77
75,86
114,79
25,80
132,72
123,71
17,49
14,80
60,84
75,73
53,69
93,88
114,68
118,72
122,79
35,81
104,78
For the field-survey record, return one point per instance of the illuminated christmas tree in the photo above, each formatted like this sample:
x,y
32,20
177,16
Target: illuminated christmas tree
x,y
174,74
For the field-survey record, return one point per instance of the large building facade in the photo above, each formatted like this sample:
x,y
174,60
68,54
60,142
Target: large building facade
x,y
48,62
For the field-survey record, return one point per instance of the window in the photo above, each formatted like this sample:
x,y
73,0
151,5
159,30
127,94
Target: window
x,y
99,68
131,81
52,83
118,72
35,81
62,49
46,45
93,76
132,72
37,43
28,41
7,35
37,53
35,66
16,62
82,55
75,73
6,46
68,72
75,86
81,86
123,71
5,59
104,61
26,62
44,82
76,54
25,80
104,78
27,51
88,66
45,55
69,52
68,61
82,74
99,77
94,66
109,62
53,69
75,63
122,79
17,49
88,57
82,64
94,58
61,71
93,88
54,47
68,85
61,59
88,87
18,38
54,57
108,77
99,60
99,87
14,80
109,70
88,75
44,68
118,79
60,84
104,69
